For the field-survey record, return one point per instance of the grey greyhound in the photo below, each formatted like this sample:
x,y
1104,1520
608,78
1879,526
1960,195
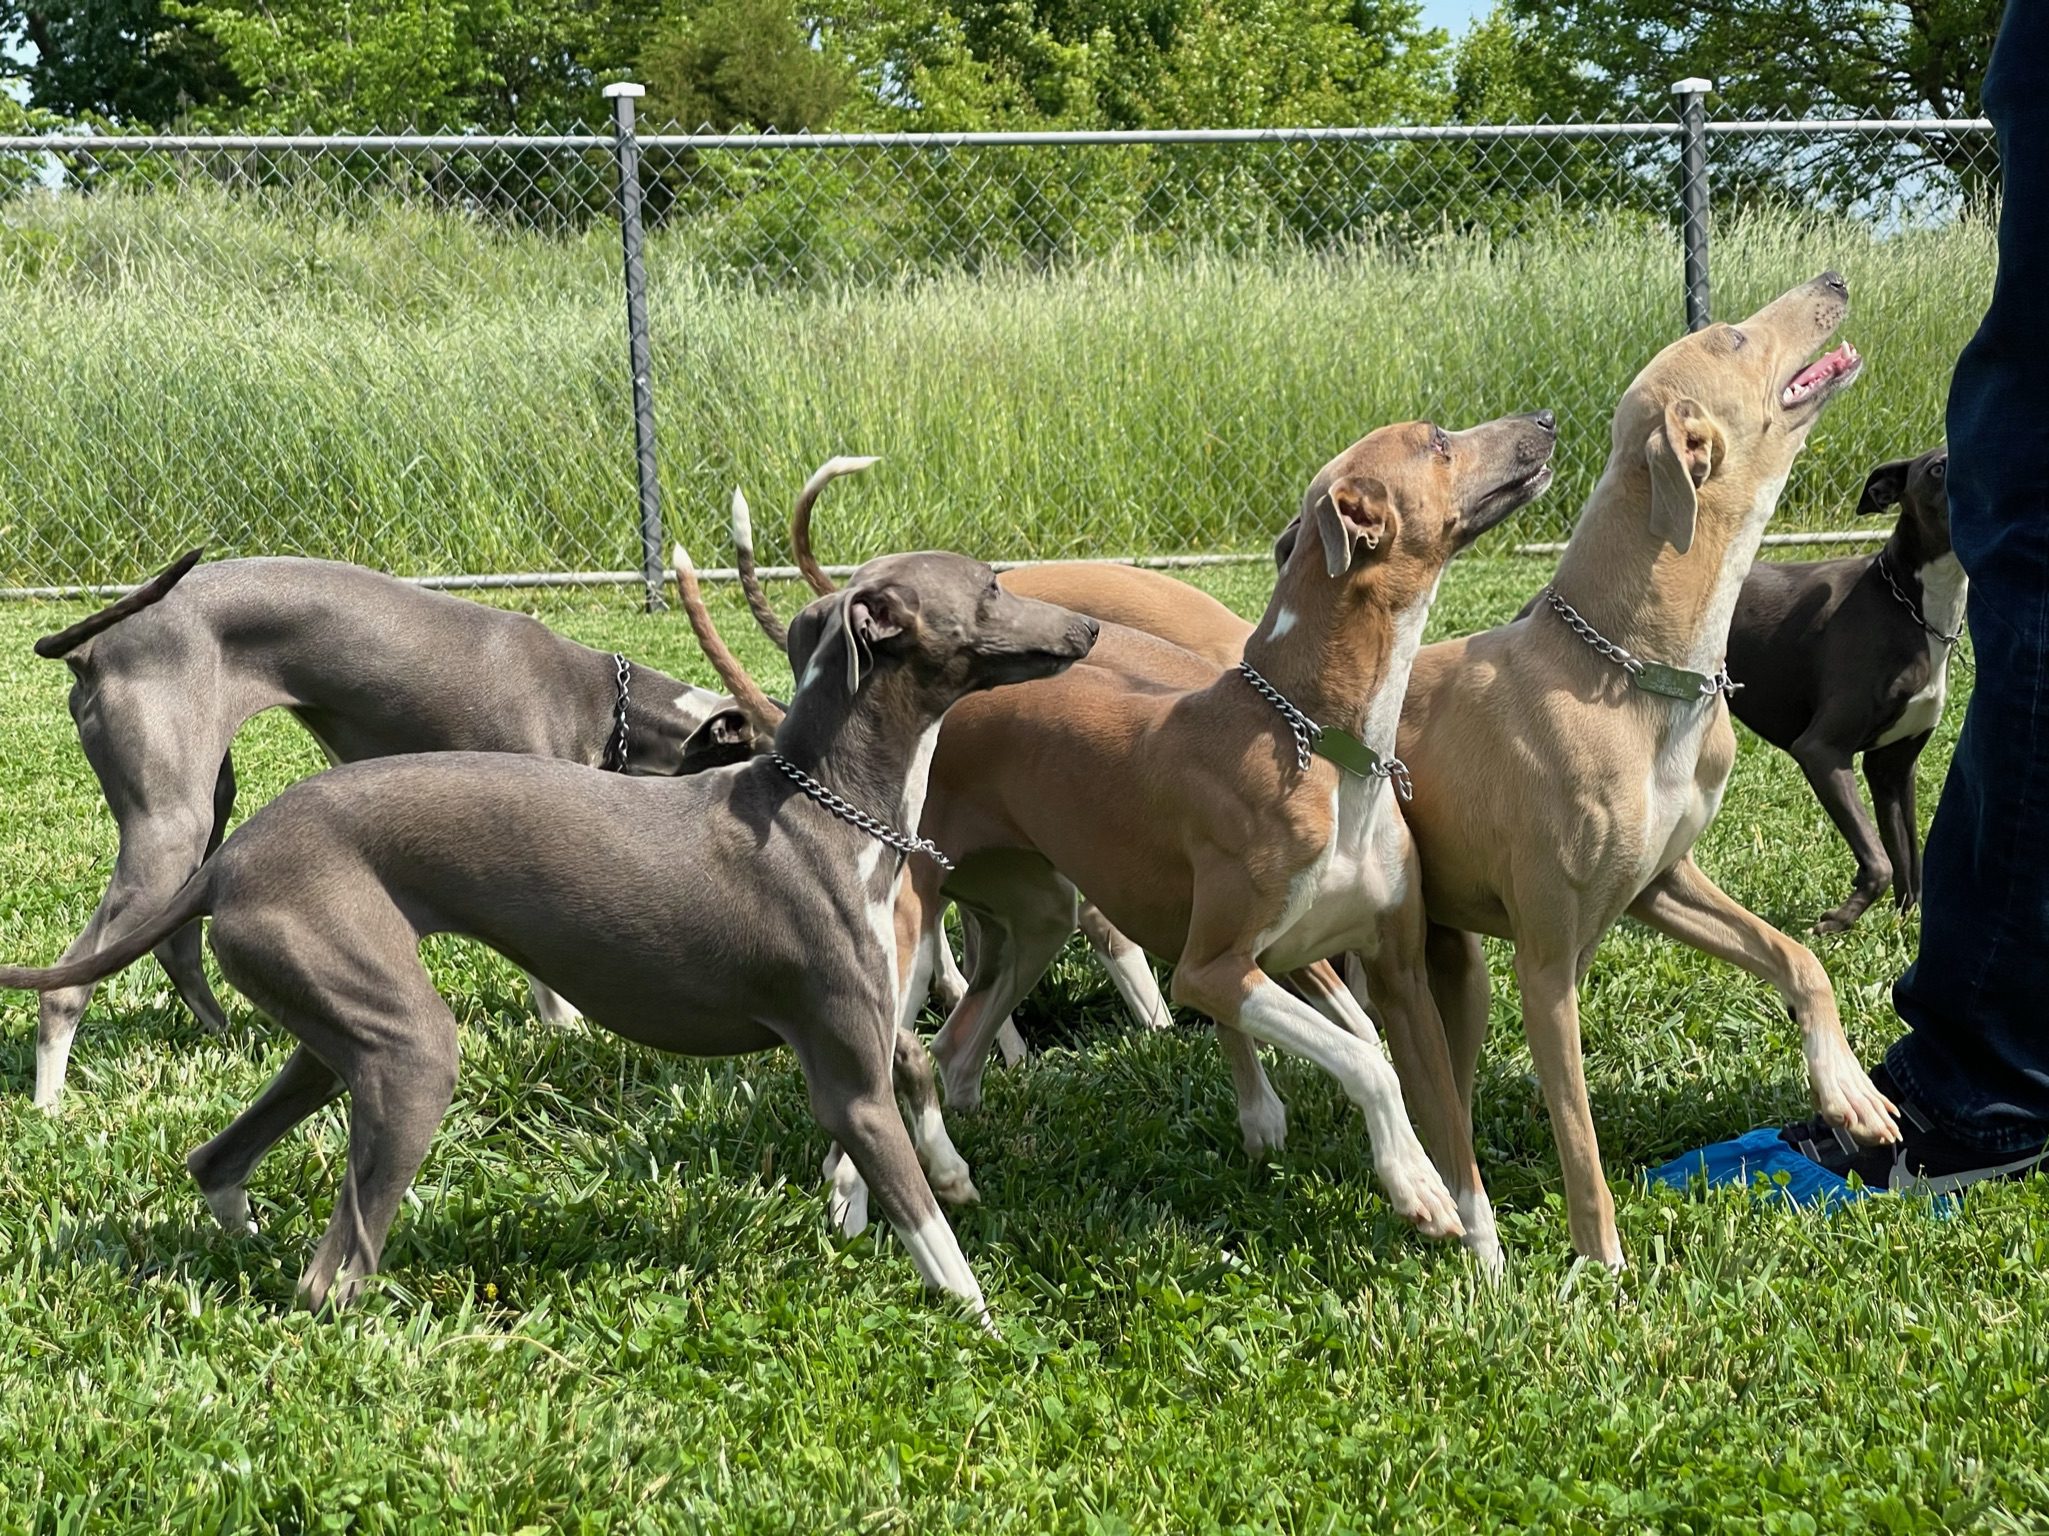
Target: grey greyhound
x,y
370,665
730,911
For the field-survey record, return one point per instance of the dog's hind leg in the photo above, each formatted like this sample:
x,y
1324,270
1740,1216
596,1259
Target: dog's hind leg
x,y
1890,772
945,1169
1128,967
222,1166
181,954
550,1007
953,986
1691,908
1027,916
848,1070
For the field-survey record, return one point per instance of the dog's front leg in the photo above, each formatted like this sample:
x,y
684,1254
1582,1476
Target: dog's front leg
x,y
1550,993
1422,1060
1834,783
1691,908
1234,991
550,1007
849,1067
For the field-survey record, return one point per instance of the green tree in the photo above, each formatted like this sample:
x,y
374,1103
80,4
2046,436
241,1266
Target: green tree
x,y
129,61
742,63
1772,58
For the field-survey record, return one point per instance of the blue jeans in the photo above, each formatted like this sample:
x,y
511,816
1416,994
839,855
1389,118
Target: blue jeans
x,y
1975,1058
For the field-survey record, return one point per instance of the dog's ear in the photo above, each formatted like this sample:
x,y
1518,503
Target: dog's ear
x,y
1355,510
874,615
727,737
1284,546
1682,453
1884,487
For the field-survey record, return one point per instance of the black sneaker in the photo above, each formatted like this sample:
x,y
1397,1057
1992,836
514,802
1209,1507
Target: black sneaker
x,y
1926,1161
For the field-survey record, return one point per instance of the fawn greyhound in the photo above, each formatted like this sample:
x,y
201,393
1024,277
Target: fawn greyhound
x,y
731,911
369,665
1237,824
1565,763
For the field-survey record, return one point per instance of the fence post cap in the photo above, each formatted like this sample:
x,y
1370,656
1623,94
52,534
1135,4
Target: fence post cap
x,y
624,88
1693,85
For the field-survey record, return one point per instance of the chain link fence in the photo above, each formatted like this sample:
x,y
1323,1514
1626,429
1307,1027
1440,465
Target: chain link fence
x,y
425,353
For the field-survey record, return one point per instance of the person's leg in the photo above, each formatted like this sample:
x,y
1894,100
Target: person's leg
x,y
1975,1059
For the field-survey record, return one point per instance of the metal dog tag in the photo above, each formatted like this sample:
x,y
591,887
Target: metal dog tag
x,y
1672,682
1347,751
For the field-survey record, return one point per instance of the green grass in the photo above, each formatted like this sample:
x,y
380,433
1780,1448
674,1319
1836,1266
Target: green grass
x,y
614,1304
429,395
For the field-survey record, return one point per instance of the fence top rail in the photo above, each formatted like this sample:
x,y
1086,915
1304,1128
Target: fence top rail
x,y
475,143
1821,125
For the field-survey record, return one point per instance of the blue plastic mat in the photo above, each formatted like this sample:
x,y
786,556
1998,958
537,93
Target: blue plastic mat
x,y
1758,1160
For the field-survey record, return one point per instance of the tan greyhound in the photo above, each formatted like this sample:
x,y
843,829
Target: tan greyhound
x,y
1557,785
1211,822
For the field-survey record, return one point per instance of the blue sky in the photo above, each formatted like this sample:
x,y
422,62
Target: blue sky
x,y
1453,15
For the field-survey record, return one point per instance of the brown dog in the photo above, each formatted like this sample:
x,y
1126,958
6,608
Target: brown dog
x,y
1554,791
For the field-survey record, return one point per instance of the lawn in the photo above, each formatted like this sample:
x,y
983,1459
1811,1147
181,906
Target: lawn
x,y
613,1303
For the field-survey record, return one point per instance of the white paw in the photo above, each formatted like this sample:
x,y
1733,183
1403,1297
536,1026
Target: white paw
x,y
1415,1189
951,1181
230,1208
1844,1095
847,1203
1264,1126
1010,1044
552,1009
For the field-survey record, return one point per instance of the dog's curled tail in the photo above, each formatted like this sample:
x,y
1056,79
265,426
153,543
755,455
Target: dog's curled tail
x,y
800,519
759,708
192,899
750,583
152,591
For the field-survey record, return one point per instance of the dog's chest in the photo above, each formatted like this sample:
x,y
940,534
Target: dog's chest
x,y
1336,904
877,873
1943,594
1679,799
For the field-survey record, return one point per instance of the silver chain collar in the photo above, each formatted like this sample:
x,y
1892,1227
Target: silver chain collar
x,y
616,743
1651,676
853,815
1306,731
1885,569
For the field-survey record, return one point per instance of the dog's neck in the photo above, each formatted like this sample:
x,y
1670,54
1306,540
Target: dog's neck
x,y
1337,651
873,747
1645,596
1925,561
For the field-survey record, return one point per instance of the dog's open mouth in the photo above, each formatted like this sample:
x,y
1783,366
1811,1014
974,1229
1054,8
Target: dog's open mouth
x,y
1826,374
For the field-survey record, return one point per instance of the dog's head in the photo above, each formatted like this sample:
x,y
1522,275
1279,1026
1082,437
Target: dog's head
x,y
726,737
931,628
1716,418
1919,487
1401,501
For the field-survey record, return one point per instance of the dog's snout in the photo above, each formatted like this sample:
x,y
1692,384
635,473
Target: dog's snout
x,y
1837,281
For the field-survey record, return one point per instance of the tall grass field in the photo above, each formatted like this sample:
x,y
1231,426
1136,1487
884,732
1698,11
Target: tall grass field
x,y
430,394
612,1304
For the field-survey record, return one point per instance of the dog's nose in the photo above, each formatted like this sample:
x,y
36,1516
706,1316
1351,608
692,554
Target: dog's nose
x,y
1545,420
1836,281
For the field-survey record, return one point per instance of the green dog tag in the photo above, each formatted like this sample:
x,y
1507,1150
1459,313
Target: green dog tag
x,y
1347,751
1672,682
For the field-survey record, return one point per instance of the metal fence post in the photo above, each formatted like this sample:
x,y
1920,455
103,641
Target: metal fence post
x,y
622,96
1693,194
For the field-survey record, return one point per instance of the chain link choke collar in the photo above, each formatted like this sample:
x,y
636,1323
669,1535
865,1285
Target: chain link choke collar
x,y
854,816
1651,676
615,745
1892,585
1325,741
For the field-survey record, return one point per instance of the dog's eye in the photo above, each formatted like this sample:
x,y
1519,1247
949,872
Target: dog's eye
x,y
1736,339
1440,442
1939,468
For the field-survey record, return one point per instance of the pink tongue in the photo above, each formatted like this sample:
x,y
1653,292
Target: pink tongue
x,y
1824,367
